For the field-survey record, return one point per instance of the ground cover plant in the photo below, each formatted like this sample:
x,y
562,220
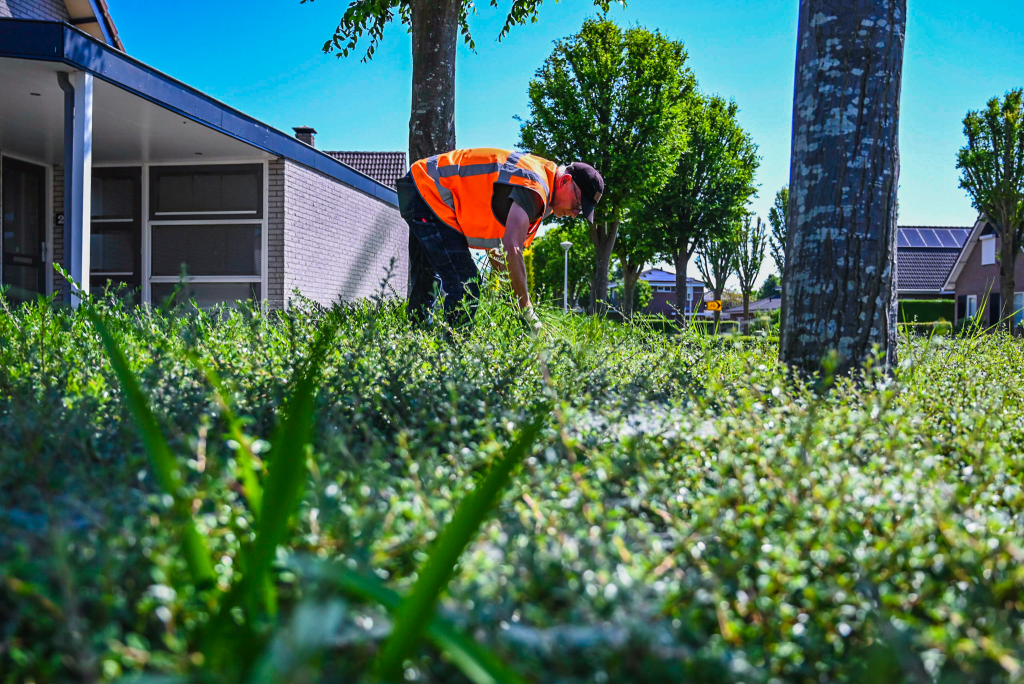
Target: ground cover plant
x,y
673,507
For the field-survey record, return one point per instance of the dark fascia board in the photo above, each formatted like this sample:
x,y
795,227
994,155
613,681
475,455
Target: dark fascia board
x,y
60,42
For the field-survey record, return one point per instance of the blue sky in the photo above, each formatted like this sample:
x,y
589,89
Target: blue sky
x,y
263,57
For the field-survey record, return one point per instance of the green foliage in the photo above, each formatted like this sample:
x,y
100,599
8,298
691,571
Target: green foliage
x,y
549,262
717,259
769,288
778,217
687,511
992,164
750,247
712,183
616,99
927,329
926,310
643,295
369,18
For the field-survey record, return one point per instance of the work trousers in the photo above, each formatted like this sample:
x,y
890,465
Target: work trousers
x,y
438,257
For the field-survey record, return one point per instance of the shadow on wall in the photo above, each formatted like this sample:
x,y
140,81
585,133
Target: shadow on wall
x,y
368,265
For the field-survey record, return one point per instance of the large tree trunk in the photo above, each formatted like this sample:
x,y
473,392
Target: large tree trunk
x,y
603,237
839,288
1007,281
435,36
630,277
746,310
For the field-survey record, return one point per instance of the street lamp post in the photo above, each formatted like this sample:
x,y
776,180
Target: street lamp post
x,y
565,287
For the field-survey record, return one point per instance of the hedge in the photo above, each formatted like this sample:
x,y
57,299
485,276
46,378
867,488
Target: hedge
x,y
926,310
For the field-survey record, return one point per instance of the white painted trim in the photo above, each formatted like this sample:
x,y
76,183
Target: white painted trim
x,y
206,279
145,235
81,183
204,213
265,233
965,253
211,222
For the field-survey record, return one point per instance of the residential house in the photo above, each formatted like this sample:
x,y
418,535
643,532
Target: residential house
x,y
924,258
123,174
974,277
757,308
663,287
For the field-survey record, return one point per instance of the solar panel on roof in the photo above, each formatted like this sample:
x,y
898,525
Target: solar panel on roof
x,y
929,237
901,240
914,238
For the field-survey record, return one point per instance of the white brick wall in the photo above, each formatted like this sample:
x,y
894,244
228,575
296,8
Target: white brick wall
x,y
333,241
34,9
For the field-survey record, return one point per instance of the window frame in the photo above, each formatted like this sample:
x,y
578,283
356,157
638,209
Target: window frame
x,y
204,219
988,242
158,170
972,306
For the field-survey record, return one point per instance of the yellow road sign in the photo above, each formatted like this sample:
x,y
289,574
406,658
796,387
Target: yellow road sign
x,y
715,305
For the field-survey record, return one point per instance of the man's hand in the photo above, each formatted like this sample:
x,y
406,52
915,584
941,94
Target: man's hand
x,y
533,320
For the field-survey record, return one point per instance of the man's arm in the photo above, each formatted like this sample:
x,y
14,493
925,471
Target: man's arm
x,y
517,227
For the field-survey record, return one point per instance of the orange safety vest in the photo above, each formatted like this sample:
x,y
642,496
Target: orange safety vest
x,y
458,187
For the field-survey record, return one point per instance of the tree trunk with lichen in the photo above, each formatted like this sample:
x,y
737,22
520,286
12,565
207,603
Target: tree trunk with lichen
x,y
435,34
630,278
839,286
603,236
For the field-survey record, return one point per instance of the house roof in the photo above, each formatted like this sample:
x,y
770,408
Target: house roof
x,y
61,43
981,226
385,167
656,275
93,17
767,304
925,255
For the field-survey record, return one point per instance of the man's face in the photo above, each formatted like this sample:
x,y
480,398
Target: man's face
x,y
568,200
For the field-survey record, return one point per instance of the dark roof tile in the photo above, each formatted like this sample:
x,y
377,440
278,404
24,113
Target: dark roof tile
x,y
923,268
385,167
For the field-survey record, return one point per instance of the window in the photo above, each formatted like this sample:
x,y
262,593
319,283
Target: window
x,y
972,306
988,250
206,225
1018,309
116,233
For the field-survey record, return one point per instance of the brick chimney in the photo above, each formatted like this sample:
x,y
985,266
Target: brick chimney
x,y
305,134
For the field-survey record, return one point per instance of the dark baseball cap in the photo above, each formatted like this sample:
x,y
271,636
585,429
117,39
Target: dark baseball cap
x,y
591,186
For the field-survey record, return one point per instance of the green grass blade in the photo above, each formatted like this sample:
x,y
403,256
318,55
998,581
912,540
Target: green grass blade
x,y
417,610
477,663
164,465
286,471
243,454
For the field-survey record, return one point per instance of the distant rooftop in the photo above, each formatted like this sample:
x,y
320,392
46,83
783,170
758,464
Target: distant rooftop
x,y
384,167
656,275
925,255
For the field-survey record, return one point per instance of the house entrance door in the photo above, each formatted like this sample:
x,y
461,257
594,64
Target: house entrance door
x,y
23,203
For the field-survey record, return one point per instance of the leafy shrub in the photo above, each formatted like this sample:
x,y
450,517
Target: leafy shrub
x,y
708,326
934,328
926,310
688,512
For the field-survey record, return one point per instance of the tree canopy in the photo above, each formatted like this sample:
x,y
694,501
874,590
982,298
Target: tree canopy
x,y
992,173
778,218
614,98
369,18
750,247
712,183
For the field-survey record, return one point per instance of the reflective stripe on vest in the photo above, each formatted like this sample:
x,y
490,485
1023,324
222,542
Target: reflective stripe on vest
x,y
460,194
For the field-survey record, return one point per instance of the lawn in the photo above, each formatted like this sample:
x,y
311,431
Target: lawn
x,y
687,512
